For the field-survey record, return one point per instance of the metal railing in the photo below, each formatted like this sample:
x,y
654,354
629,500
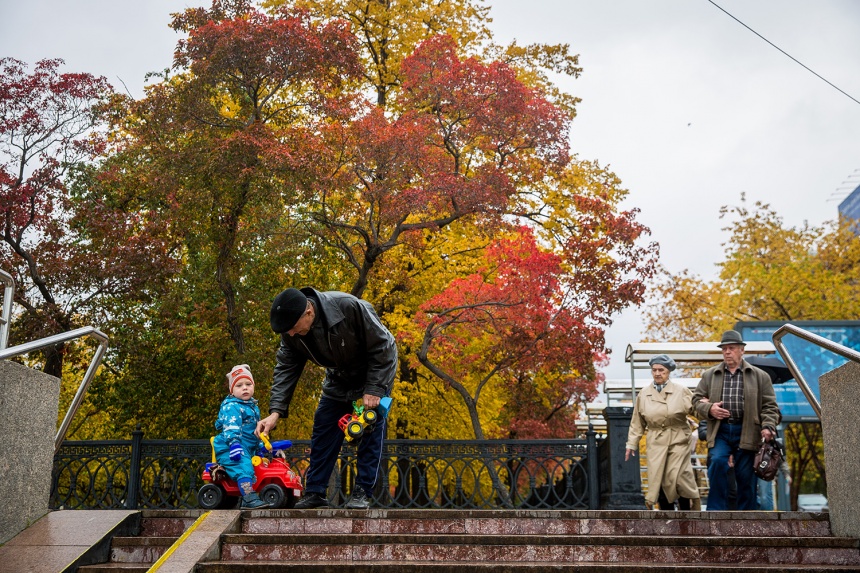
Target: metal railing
x,y
51,341
834,347
88,376
6,313
166,474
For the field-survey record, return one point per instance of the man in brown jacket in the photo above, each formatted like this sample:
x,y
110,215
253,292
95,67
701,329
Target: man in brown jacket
x,y
740,405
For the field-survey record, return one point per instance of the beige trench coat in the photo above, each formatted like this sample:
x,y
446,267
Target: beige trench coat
x,y
663,415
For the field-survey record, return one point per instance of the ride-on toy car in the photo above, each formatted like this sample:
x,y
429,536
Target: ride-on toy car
x,y
277,484
353,425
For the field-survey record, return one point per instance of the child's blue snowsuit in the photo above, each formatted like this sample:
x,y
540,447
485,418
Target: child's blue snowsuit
x,y
237,420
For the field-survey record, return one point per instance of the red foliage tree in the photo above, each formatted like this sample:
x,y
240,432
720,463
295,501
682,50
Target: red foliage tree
x,y
68,254
224,134
274,67
465,137
544,303
514,323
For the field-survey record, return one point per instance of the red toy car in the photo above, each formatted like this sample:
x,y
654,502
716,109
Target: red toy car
x,y
277,484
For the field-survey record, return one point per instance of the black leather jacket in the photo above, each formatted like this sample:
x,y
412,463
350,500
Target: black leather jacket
x,y
348,339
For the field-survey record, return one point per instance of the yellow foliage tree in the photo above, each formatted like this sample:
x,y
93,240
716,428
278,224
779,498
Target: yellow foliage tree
x,y
771,272
390,31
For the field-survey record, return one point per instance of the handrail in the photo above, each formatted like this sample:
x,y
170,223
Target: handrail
x,y
834,347
6,314
88,376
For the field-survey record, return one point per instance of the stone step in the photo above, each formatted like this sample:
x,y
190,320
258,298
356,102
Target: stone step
x,y
504,567
159,530
120,567
133,553
540,548
167,522
139,549
478,541
513,522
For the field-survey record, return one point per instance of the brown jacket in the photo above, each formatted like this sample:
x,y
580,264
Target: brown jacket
x,y
760,407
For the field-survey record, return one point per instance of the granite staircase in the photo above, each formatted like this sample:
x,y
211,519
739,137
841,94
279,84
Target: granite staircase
x,y
449,541
158,531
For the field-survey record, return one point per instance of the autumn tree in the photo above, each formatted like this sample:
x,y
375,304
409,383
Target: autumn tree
x,y
770,272
574,278
251,80
389,32
514,343
211,150
396,40
472,131
71,256
389,158
509,320
471,144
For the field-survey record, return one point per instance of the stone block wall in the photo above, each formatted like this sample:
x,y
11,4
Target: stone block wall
x,y
29,402
840,395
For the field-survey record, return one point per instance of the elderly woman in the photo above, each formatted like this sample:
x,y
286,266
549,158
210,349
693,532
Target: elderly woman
x,y
661,411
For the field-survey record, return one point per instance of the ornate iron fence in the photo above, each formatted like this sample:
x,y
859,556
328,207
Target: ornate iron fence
x,y
166,474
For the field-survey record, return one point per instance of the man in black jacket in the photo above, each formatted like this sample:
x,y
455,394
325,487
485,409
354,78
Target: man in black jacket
x,y
344,335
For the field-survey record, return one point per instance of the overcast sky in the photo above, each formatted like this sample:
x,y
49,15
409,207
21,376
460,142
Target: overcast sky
x,y
686,105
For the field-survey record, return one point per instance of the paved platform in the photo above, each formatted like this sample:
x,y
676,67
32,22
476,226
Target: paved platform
x,y
62,538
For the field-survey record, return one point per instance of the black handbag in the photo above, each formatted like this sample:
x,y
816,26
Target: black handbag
x,y
768,458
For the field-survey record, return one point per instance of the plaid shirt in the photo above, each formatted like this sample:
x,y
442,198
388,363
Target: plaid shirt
x,y
733,394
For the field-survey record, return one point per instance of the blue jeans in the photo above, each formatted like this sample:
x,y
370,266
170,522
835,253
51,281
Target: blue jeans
x,y
326,441
727,444
765,495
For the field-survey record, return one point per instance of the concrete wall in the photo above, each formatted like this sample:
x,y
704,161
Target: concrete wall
x,y
28,424
840,395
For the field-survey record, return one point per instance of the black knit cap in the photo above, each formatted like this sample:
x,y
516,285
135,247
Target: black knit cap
x,y
287,309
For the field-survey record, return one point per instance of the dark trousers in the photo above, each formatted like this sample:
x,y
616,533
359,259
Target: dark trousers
x,y
326,441
727,444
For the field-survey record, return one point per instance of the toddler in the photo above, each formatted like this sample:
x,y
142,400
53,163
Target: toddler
x,y
236,443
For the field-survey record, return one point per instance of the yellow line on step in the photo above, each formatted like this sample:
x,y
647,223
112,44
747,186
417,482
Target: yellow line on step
x,y
177,543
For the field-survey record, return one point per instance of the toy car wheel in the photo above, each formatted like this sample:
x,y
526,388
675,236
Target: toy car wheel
x,y
274,495
210,496
354,429
370,416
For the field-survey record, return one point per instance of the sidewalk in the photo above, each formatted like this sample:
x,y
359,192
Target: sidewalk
x,y
62,538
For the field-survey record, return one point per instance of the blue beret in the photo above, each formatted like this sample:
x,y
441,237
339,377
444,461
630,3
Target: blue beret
x,y
663,360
